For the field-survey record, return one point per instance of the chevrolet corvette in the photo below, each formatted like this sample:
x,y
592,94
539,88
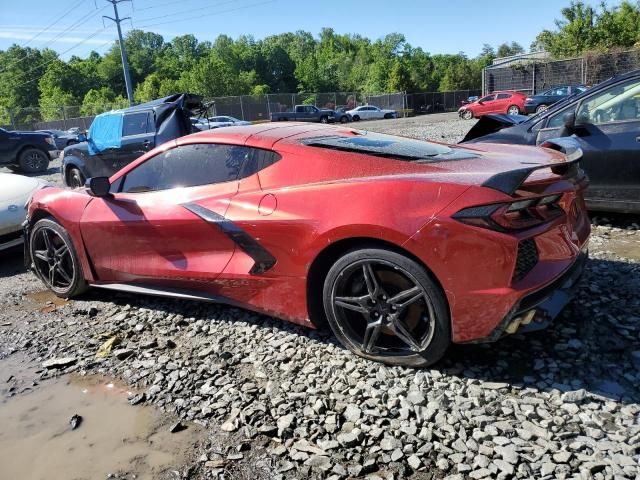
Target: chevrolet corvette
x,y
401,246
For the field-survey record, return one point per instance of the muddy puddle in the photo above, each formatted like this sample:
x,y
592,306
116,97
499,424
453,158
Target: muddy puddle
x,y
45,300
113,437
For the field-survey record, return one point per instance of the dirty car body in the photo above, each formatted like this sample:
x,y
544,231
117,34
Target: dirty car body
x,y
604,121
400,244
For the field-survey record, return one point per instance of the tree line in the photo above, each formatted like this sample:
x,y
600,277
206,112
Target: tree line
x,y
288,62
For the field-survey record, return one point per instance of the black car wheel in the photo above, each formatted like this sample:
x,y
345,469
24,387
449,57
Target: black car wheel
x,y
385,307
467,115
541,108
324,119
75,178
55,260
344,119
33,160
356,118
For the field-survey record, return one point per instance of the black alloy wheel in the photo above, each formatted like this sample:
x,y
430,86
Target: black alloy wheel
x,y
54,259
384,306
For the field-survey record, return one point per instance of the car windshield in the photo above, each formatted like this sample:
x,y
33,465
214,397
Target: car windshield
x,y
381,145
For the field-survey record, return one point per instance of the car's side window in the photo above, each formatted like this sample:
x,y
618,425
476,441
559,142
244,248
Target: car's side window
x,y
187,166
502,96
617,103
135,124
259,159
488,98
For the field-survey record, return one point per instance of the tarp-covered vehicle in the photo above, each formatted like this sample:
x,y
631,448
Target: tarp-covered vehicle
x,y
118,137
605,122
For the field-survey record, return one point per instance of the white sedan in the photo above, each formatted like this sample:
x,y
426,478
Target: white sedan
x,y
369,112
226,121
15,193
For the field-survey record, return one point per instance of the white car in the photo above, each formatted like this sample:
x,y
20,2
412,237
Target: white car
x,y
226,121
15,193
369,112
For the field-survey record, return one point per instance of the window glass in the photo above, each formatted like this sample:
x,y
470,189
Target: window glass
x,y
502,96
134,124
616,103
488,98
559,91
187,166
258,160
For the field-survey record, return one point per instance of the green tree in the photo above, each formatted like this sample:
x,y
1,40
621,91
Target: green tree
x,y
102,100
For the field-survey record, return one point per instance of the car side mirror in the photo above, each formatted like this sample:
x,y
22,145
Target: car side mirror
x,y
569,120
98,186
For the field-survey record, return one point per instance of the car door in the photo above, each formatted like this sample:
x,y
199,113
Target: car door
x,y
485,105
161,224
138,137
7,147
608,130
501,103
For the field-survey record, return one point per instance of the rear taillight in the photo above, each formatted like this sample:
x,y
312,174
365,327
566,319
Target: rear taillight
x,y
512,216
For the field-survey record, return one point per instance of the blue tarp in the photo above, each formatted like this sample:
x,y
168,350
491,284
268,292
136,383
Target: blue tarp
x,y
105,132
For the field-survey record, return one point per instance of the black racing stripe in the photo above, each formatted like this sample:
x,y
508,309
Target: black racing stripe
x,y
262,258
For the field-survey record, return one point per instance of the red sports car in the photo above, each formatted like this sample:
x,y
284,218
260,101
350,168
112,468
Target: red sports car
x,y
511,103
403,246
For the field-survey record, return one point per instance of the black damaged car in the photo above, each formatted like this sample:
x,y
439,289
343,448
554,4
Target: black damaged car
x,y
117,138
605,122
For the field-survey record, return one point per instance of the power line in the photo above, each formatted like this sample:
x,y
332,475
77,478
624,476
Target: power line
x,y
174,14
82,19
66,12
161,5
207,15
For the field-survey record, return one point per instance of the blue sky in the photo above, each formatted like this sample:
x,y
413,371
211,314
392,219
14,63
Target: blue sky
x,y
436,26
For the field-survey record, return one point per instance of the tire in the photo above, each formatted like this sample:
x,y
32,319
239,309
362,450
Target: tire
x,y
72,142
364,317
467,115
541,108
75,178
33,160
513,110
387,116
55,260
324,119
344,119
356,118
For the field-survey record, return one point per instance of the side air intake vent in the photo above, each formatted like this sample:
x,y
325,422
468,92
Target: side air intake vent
x,y
527,259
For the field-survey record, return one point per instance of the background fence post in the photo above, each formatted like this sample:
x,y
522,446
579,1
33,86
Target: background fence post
x,y
241,108
64,119
484,72
268,106
533,81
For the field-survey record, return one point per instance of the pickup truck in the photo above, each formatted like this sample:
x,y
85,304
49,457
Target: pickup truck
x,y
118,137
27,151
305,113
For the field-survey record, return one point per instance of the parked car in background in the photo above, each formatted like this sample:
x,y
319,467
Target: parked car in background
x,y
117,138
15,193
342,115
27,151
227,120
511,103
370,112
605,122
75,131
305,113
61,138
471,99
255,216
199,124
542,101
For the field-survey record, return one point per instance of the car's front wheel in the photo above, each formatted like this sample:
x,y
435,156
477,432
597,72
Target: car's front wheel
x,y
541,108
55,260
75,178
356,118
344,119
467,115
33,160
385,307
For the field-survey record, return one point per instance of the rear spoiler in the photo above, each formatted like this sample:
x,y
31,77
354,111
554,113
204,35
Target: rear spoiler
x,y
508,182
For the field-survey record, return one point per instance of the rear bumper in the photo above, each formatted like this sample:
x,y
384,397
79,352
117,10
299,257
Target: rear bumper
x,y
538,309
529,109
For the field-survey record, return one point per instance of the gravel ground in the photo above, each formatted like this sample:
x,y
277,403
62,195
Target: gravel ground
x,y
280,401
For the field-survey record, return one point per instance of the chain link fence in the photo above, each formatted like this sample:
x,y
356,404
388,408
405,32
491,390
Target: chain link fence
x,y
533,77
254,108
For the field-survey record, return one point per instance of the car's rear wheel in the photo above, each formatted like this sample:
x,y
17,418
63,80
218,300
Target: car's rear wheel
x,y
388,116
33,160
541,108
344,119
356,118
75,178
55,260
324,119
467,115
385,307
513,110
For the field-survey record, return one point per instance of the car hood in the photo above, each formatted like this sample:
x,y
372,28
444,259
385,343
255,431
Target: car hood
x,y
493,123
31,134
17,188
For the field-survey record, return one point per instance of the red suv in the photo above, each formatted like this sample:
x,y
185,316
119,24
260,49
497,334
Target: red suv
x,y
511,103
